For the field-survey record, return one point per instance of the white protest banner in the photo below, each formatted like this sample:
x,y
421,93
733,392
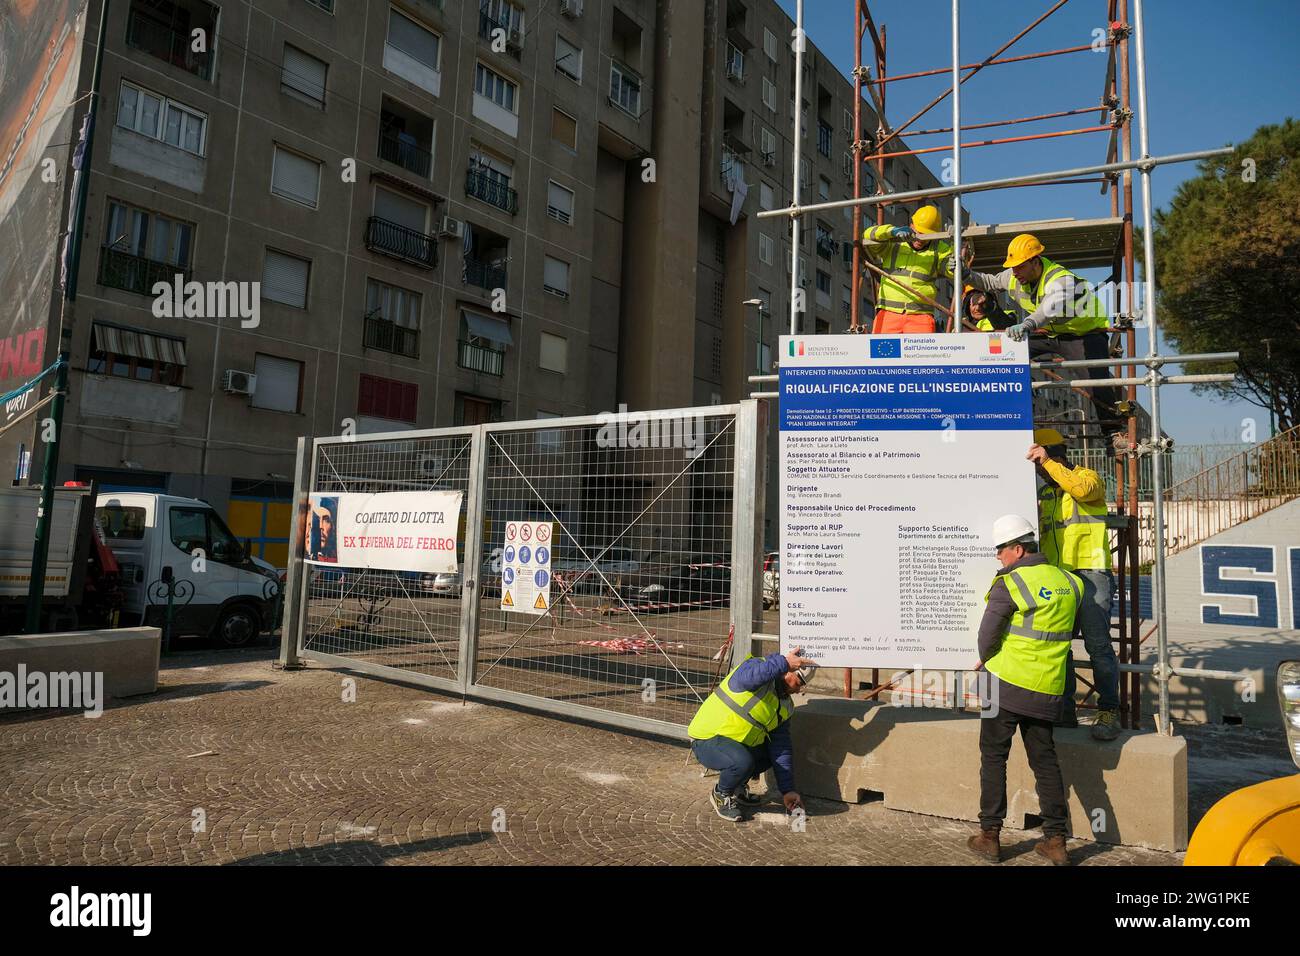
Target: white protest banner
x,y
526,567
897,455
393,530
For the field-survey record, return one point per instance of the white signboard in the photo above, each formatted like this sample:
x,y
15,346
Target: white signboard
x,y
526,567
395,531
897,455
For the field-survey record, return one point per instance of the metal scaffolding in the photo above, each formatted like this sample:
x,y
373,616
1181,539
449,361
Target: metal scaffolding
x,y
1115,176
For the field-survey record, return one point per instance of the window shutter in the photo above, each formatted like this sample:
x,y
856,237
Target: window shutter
x,y
412,39
295,177
284,279
277,383
304,73
399,209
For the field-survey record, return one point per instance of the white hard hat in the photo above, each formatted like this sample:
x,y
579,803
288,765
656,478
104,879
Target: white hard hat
x,y
1010,528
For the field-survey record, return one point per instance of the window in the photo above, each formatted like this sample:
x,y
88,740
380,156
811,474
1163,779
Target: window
x,y
559,203
554,355
295,177
326,5
194,528
142,248
279,384
823,282
568,59
766,197
504,14
303,75
769,44
118,521
495,87
136,354
161,118
555,278
735,62
769,94
767,143
564,129
284,278
625,89
387,398
413,52
823,187
164,28
764,249
489,179
394,207
392,319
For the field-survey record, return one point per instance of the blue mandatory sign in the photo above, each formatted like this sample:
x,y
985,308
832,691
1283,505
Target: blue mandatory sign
x,y
525,553
508,575
541,577
510,554
543,555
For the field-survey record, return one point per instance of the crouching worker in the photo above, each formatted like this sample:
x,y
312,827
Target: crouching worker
x,y
1024,640
743,729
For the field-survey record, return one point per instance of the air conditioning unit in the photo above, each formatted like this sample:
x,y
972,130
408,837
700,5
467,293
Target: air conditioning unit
x,y
571,8
452,228
235,382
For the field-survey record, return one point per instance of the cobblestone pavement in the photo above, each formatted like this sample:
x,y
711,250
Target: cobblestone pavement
x,y
283,771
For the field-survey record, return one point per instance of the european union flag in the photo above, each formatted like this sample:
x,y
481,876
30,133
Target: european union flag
x,y
886,348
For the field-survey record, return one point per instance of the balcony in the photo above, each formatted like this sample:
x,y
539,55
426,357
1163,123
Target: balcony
x,y
410,245
405,153
483,274
172,42
481,358
390,337
487,27
492,191
121,270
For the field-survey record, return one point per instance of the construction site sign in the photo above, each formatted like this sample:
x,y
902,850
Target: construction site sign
x,y
526,567
897,455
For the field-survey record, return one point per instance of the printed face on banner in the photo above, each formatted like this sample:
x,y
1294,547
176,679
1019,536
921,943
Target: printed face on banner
x,y
395,531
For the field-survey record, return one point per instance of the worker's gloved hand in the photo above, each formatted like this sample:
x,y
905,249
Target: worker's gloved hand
x,y
1019,331
902,234
967,254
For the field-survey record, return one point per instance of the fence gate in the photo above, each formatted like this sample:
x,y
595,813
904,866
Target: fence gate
x,y
653,517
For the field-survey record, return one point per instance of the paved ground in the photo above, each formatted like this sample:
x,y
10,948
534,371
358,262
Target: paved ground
x,y
283,771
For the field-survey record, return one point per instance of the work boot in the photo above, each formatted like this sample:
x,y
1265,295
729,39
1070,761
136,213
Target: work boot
x,y
726,805
1053,847
744,797
1107,725
987,845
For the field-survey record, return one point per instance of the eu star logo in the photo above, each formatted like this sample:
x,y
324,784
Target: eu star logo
x,y
886,348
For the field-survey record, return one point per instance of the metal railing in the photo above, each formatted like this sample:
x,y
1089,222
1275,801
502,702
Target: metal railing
x,y
405,154
1234,490
122,270
388,336
479,185
481,358
148,35
483,274
396,240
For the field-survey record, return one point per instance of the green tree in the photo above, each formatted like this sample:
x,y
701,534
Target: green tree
x,y
1228,269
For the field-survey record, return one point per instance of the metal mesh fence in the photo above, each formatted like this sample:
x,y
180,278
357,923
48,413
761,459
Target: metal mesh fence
x,y
404,620
641,519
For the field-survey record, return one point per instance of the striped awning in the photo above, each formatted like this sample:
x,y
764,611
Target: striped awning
x,y
139,344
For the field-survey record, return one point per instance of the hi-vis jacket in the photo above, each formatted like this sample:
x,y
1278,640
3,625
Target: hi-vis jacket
x,y
909,270
1072,519
747,709
1060,301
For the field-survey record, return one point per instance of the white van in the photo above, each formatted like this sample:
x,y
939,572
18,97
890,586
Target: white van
x,y
234,593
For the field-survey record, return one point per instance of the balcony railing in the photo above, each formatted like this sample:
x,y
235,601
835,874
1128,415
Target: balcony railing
x,y
388,336
514,39
480,358
484,275
481,186
122,270
406,154
396,240
173,46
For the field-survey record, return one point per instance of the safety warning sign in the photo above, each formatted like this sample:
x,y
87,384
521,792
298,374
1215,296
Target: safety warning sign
x,y
526,567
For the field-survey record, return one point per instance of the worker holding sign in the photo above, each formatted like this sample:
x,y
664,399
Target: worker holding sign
x,y
1024,640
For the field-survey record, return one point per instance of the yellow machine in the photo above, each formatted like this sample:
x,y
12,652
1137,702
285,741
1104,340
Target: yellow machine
x,y
1258,825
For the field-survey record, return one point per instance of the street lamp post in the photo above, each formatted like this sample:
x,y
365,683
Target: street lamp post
x,y
761,306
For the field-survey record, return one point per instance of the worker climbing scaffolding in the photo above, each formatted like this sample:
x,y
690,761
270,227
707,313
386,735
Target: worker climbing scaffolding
x,y
912,265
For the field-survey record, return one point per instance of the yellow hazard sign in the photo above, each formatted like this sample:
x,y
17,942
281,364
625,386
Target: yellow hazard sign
x,y
507,600
540,602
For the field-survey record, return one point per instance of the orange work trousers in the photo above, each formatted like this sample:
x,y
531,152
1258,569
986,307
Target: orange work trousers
x,y
892,323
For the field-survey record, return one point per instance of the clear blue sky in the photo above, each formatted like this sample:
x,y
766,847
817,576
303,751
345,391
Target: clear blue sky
x,y
1216,72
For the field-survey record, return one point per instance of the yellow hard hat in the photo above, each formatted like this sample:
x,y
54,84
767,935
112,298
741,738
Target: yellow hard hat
x,y
927,219
1021,249
1047,437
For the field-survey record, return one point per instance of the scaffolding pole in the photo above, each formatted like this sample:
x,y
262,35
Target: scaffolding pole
x,y
796,290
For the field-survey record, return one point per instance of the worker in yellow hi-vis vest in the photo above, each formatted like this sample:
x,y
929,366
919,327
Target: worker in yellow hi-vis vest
x,y
914,266
743,729
1024,640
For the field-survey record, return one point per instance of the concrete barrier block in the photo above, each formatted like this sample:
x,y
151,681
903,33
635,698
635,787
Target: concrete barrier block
x,y
127,657
924,760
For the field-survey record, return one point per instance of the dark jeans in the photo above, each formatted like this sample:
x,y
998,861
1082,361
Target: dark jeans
x,y
996,734
734,762
1094,345
1094,624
